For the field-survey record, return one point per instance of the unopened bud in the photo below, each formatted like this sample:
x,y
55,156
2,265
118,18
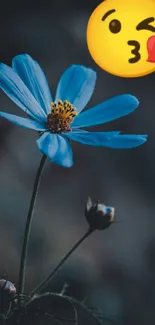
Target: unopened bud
x,y
7,287
7,293
99,216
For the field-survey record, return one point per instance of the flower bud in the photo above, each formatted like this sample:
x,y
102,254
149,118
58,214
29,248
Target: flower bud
x,y
7,293
99,216
7,287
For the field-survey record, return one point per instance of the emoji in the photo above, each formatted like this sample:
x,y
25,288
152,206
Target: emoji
x,y
121,37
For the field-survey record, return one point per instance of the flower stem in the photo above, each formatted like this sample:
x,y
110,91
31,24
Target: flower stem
x,y
50,277
28,230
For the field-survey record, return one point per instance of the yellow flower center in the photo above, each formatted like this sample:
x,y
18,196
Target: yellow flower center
x,y
62,114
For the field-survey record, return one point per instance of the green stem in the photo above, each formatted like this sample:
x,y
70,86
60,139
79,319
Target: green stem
x,y
28,230
50,277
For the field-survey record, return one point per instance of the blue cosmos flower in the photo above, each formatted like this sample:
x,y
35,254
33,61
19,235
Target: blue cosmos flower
x,y
61,120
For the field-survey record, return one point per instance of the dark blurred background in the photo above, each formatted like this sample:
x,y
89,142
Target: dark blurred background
x,y
115,268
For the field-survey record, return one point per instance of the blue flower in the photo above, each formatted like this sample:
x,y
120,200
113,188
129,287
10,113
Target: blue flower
x,y
61,120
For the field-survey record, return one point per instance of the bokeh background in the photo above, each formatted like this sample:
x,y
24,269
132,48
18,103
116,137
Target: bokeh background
x,y
114,268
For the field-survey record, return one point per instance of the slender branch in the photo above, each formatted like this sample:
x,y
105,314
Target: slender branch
x,y
28,230
50,277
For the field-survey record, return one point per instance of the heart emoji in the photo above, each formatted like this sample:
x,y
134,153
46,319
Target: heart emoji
x,y
151,49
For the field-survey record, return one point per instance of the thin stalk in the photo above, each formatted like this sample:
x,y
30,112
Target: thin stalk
x,y
28,230
50,277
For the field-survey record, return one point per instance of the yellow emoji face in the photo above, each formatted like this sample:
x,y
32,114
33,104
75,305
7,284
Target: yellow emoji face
x,y
121,37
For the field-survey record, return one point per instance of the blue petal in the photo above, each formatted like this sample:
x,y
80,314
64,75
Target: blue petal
x,y
34,78
108,209
92,138
14,87
107,111
25,122
107,139
57,148
127,141
76,85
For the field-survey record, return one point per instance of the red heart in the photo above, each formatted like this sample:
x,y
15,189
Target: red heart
x,y
151,49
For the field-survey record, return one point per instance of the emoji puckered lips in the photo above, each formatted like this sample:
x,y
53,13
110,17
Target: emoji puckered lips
x,y
151,49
